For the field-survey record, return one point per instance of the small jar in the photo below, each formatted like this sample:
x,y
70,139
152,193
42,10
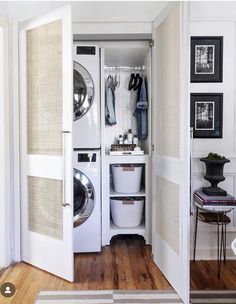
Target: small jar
x,y
120,140
135,140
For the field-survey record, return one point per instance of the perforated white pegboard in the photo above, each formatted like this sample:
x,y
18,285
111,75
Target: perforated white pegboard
x,y
125,104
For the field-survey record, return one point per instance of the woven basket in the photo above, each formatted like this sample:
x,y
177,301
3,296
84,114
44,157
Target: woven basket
x,y
129,147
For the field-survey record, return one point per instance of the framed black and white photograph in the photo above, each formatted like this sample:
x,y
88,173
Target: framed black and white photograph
x,y
207,59
207,115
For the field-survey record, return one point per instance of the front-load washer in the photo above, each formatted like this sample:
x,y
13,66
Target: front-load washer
x,y
87,201
86,97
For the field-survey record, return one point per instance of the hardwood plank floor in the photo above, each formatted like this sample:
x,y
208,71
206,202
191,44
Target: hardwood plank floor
x,y
126,264
204,275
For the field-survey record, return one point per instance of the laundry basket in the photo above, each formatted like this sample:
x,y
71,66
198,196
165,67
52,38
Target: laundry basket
x,y
127,178
127,212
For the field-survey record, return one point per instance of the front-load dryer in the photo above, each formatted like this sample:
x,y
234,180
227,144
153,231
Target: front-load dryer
x,y
86,97
87,201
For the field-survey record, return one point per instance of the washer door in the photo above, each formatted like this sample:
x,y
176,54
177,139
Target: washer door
x,y
83,198
83,90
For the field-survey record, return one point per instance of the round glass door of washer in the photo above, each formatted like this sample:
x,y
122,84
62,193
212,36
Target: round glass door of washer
x,y
83,198
83,90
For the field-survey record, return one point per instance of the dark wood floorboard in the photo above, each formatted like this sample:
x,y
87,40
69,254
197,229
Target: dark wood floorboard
x,y
204,275
126,264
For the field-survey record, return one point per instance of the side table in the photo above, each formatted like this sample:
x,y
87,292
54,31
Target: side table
x,y
213,210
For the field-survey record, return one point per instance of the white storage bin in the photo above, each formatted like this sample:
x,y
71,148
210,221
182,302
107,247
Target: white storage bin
x,y
127,212
127,178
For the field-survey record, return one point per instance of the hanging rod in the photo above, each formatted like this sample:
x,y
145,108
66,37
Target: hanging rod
x,y
128,68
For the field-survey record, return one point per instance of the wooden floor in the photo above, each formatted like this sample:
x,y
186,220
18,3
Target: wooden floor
x,y
126,264
204,275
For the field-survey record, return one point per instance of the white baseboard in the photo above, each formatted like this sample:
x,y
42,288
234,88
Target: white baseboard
x,y
211,254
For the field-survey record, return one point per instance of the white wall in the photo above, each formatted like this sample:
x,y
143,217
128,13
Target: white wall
x,y
92,11
217,19
97,17
4,9
5,227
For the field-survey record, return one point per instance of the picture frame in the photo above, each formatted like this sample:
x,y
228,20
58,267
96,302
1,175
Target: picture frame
x,y
206,59
207,115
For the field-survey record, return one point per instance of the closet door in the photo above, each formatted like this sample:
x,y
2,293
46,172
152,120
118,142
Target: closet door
x,y
46,147
171,147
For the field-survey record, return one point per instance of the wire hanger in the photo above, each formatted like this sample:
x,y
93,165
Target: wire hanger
x,y
132,81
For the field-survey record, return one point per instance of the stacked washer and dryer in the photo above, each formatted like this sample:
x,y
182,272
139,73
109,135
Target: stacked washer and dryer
x,y
87,145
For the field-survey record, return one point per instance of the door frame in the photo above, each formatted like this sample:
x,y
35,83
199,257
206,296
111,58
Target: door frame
x,y
11,159
5,173
15,132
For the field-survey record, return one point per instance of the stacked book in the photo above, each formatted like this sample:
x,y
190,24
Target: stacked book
x,y
205,200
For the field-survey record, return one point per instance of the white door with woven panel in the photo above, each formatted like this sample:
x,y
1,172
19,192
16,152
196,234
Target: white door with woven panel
x,y
170,231
46,115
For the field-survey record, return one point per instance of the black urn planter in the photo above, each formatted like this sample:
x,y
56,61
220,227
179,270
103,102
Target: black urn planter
x,y
214,174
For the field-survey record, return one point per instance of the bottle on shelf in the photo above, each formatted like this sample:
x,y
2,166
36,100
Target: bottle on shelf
x,y
125,140
120,140
135,140
130,137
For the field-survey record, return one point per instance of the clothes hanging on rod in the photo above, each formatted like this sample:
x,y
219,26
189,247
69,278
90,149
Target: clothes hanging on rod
x,y
142,111
110,101
137,82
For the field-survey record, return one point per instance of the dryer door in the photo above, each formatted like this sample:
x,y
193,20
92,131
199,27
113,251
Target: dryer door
x,y
83,90
83,198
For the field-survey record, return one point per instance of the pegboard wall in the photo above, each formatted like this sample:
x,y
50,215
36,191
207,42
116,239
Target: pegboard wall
x,y
125,105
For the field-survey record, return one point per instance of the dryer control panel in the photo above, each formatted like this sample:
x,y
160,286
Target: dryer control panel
x,y
87,157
